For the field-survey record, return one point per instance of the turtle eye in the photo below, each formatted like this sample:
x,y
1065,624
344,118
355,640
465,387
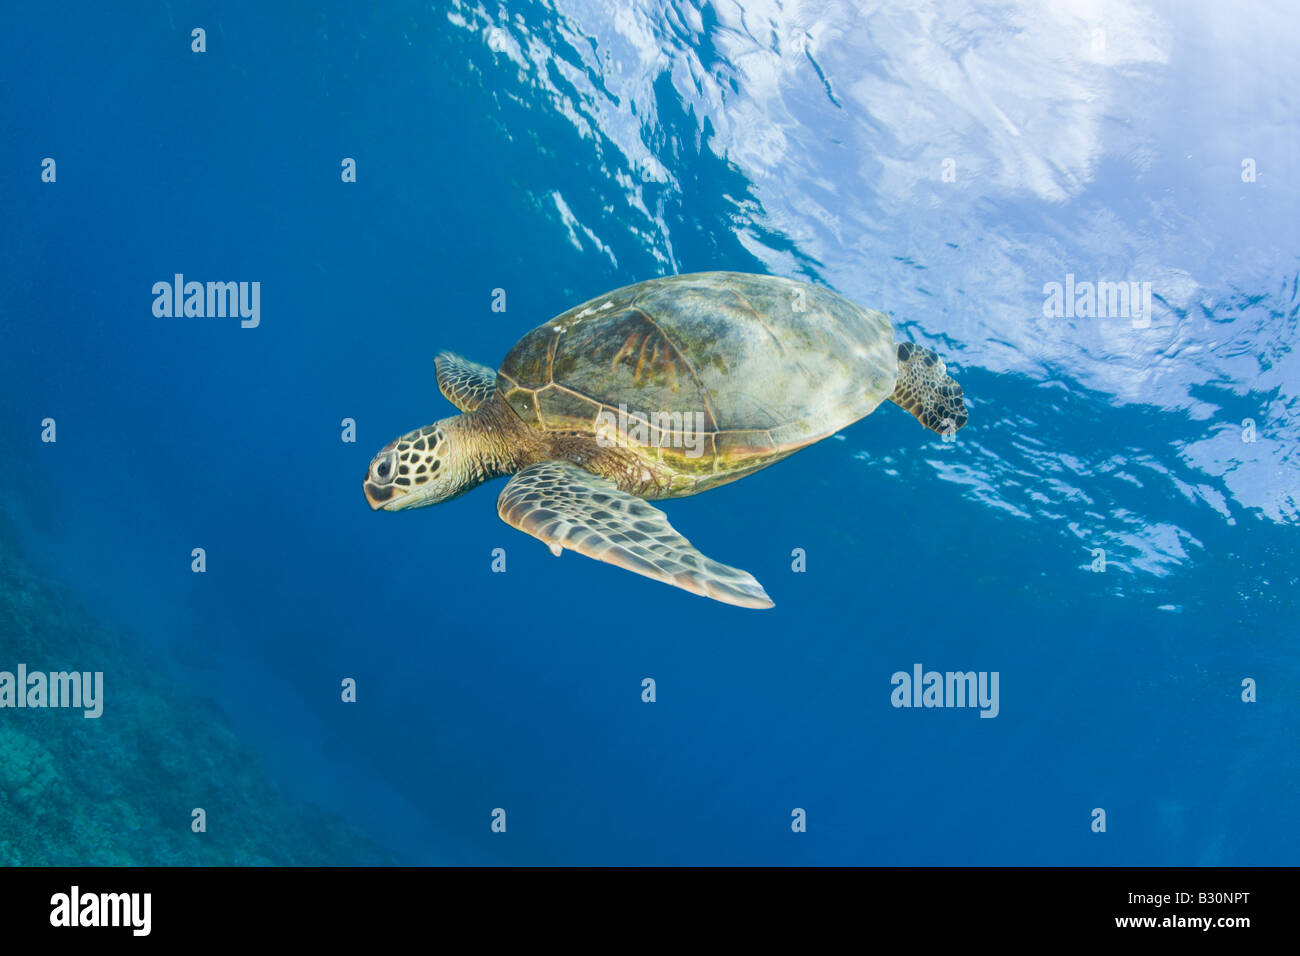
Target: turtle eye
x,y
382,468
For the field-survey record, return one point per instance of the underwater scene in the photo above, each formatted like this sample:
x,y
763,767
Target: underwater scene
x,y
825,433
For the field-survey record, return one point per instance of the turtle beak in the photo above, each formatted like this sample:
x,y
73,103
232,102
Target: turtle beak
x,y
378,484
378,495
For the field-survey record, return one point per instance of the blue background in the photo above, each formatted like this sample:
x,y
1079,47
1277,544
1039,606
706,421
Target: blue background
x,y
677,139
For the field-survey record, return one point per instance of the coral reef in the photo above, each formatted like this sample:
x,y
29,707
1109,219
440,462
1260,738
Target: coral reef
x,y
119,790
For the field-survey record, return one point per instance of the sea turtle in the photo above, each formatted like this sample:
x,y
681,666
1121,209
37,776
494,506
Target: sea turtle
x,y
660,389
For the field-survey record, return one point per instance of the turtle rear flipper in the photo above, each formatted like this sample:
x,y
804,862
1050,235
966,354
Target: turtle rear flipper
x,y
567,507
926,390
466,384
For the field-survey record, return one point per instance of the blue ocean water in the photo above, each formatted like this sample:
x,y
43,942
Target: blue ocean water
x,y
943,162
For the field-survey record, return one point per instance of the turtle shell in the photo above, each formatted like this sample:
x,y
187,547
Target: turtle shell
x,y
760,366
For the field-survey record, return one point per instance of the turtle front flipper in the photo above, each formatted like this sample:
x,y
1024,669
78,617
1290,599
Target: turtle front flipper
x,y
466,384
568,507
926,390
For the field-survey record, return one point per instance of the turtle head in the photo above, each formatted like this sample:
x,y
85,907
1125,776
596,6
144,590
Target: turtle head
x,y
423,467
